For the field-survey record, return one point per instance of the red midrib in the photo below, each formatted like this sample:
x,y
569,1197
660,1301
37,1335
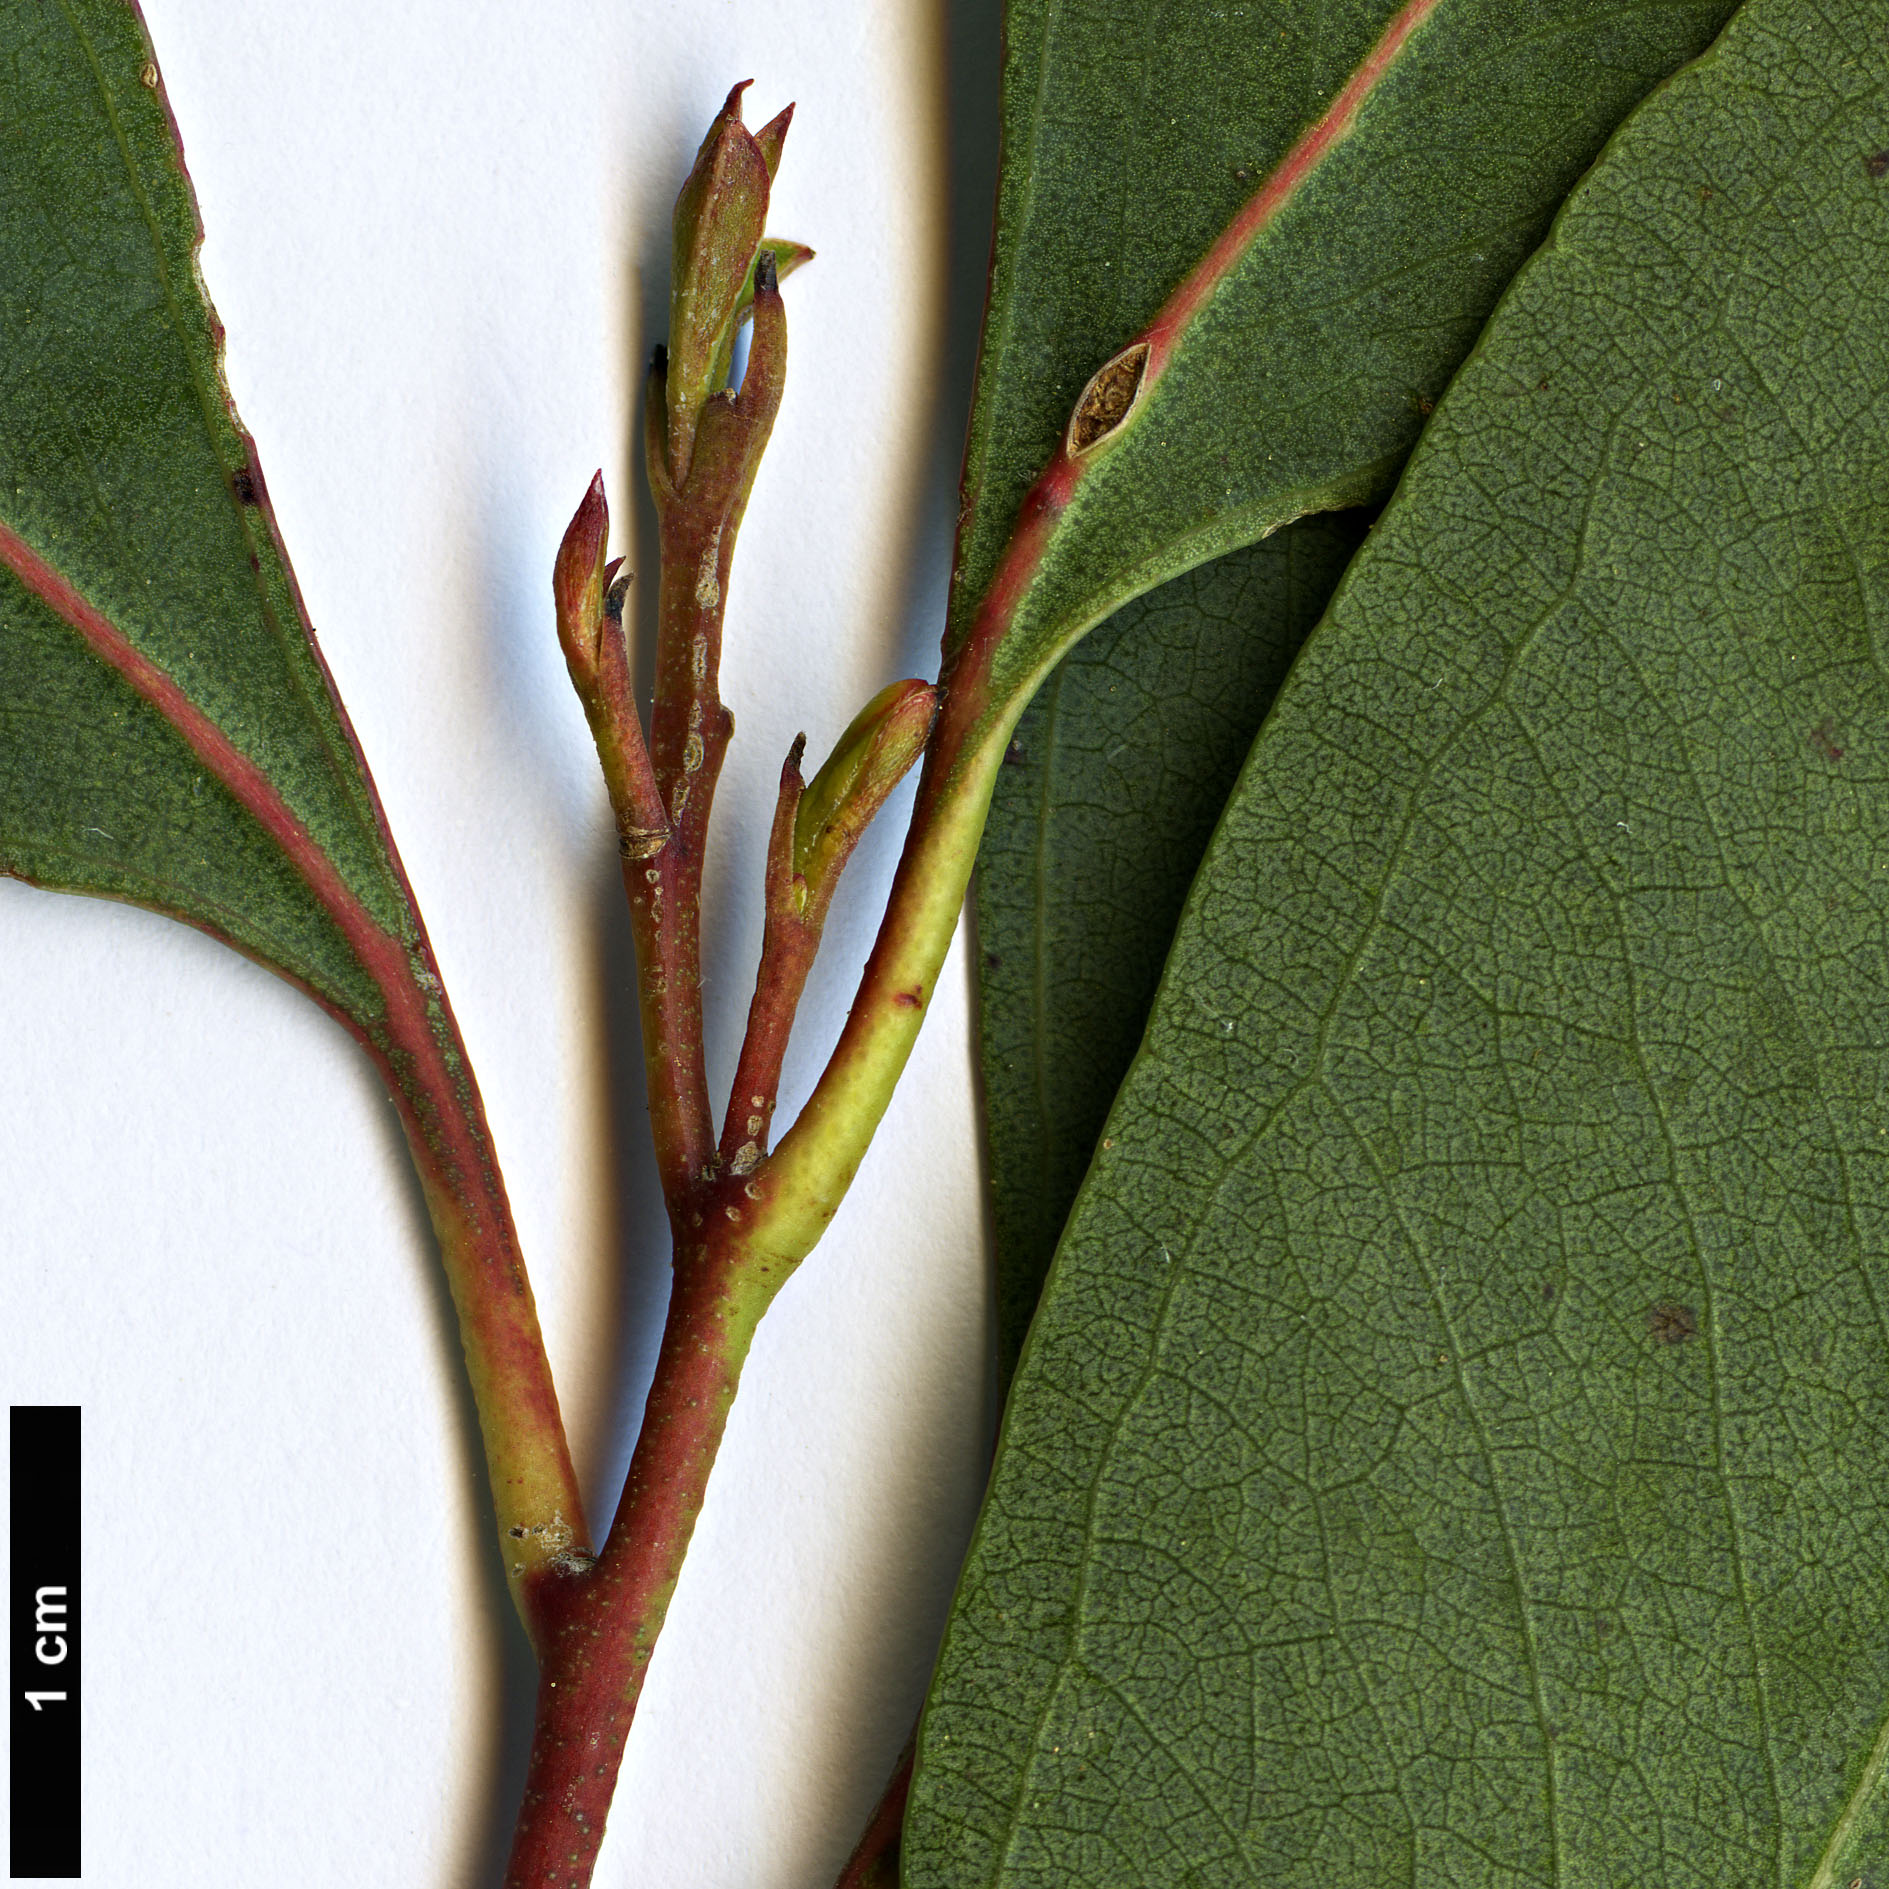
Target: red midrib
x,y
426,1087
1282,184
1034,531
250,785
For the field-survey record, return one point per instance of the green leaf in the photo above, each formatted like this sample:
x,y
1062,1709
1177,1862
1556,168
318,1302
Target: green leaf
x,y
1430,143
1107,799
1453,1442
167,731
1360,298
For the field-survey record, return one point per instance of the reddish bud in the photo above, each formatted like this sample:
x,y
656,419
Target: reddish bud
x,y
787,256
731,431
579,580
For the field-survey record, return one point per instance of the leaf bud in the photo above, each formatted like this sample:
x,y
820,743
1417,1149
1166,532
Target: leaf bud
x,y
787,257
718,228
771,137
857,778
579,580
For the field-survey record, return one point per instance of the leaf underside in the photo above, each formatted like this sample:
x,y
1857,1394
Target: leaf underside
x,y
1311,373
125,474
1132,140
1453,1445
1104,807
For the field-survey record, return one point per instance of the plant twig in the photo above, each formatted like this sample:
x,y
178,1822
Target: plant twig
x,y
689,733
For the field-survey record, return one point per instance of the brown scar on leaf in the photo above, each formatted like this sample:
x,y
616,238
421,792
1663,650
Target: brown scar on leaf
x,y
1824,739
1877,164
1672,1324
1108,399
909,999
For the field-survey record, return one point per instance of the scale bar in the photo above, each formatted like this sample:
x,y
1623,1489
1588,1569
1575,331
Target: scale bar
x,y
43,1590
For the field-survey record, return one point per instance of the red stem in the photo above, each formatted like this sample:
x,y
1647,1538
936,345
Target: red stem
x,y
788,945
603,1624
689,733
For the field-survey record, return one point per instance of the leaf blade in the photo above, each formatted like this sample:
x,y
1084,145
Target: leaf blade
x,y
1308,261
1452,1439
1105,805
169,733
1339,224
123,467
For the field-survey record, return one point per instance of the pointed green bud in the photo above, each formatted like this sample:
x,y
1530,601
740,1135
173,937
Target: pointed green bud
x,y
771,137
579,580
870,759
718,228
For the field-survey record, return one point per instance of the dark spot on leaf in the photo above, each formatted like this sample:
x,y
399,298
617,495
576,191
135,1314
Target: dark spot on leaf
x,y
909,999
1547,1288
247,485
1016,754
1425,405
1108,399
1824,739
992,961
1671,1323
1877,164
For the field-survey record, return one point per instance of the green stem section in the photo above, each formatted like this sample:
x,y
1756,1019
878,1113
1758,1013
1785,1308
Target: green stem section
x,y
808,1175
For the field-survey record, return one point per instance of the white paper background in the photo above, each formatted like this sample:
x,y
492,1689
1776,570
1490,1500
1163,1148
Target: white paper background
x,y
438,236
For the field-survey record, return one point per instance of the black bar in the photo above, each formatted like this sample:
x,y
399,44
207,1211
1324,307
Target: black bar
x,y
43,1590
